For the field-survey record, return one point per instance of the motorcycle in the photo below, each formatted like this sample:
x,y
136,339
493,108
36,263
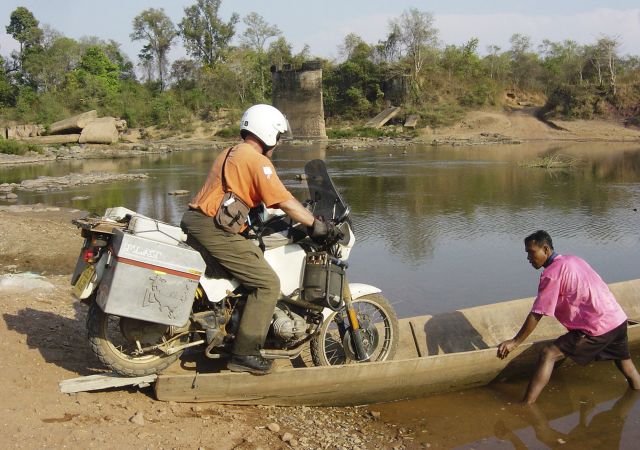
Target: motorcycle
x,y
154,294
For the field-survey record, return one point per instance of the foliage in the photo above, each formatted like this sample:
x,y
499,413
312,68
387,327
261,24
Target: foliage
x,y
97,74
156,29
353,89
229,132
258,32
441,114
23,27
418,37
572,102
13,147
53,76
362,132
206,37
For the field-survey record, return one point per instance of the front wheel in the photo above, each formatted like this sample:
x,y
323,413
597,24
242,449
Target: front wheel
x,y
126,345
332,345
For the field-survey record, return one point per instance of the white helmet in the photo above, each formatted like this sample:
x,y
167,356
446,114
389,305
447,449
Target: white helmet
x,y
265,122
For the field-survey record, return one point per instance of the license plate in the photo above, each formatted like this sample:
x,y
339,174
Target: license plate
x,y
83,282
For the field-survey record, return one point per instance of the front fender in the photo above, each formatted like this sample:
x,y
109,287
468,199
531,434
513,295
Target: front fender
x,y
357,290
360,290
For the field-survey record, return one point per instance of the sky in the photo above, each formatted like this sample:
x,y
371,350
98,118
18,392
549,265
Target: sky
x,y
323,24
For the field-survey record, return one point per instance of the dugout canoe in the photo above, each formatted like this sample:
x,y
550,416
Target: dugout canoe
x,y
441,353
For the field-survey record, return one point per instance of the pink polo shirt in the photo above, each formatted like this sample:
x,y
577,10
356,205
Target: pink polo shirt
x,y
575,294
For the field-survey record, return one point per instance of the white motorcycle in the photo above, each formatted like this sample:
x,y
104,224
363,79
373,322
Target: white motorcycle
x,y
151,295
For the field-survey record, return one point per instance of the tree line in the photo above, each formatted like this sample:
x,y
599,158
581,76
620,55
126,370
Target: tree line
x,y
51,76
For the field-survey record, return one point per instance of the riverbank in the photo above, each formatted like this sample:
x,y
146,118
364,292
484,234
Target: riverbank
x,y
43,341
477,128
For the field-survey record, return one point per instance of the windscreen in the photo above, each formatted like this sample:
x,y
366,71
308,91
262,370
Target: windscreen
x,y
325,198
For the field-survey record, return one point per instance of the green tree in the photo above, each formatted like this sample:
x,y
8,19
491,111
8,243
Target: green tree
x,y
525,64
7,91
23,27
258,32
389,51
419,39
158,31
254,38
280,52
461,61
607,50
49,68
206,37
351,42
354,87
96,78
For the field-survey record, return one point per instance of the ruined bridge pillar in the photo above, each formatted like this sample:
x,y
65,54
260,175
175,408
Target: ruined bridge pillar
x,y
298,94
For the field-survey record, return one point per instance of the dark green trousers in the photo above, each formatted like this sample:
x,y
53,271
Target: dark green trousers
x,y
245,261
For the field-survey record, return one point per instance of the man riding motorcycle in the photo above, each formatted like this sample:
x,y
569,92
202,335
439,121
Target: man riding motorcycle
x,y
240,178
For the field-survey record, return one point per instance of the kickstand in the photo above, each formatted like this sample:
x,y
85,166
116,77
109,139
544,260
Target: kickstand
x,y
194,383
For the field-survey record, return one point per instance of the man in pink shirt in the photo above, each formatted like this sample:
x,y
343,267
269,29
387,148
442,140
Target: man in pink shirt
x,y
572,292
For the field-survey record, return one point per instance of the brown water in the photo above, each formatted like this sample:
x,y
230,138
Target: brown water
x,y
581,408
440,229
437,229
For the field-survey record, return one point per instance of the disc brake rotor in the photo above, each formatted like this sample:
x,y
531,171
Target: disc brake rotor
x,y
146,333
369,339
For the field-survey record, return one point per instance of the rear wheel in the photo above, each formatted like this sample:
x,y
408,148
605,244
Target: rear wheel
x,y
125,345
380,334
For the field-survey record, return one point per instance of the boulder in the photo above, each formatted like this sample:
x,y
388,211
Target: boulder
x,y
74,123
121,125
23,131
100,131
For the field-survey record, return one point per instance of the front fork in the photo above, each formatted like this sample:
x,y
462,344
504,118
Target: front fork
x,y
356,331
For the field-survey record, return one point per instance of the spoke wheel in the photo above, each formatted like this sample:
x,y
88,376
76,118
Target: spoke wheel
x,y
380,334
119,342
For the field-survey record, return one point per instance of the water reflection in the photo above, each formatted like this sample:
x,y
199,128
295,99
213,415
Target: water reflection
x,y
438,229
582,407
602,429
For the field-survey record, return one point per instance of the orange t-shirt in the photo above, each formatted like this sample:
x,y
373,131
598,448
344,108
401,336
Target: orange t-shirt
x,y
249,175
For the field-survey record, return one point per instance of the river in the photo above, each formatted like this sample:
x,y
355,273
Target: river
x,y
438,229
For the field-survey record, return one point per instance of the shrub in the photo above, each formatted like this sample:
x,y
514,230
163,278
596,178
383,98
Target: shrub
x,y
442,114
11,147
574,102
229,132
346,133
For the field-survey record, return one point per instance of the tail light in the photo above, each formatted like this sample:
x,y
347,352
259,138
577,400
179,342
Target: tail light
x,y
88,254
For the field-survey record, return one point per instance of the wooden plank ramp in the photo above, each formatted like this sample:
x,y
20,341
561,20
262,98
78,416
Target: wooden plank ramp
x,y
383,117
103,381
412,121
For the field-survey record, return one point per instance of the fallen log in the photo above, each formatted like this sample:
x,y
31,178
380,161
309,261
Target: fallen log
x,y
73,124
54,139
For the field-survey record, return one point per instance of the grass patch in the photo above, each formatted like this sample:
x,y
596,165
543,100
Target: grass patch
x,y
230,132
11,147
346,133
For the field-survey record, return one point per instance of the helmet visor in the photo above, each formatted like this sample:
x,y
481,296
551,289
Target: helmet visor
x,y
286,133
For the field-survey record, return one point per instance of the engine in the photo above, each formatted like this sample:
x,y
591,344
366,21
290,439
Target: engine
x,y
288,325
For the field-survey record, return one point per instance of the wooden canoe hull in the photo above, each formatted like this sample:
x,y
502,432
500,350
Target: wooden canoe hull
x,y
459,352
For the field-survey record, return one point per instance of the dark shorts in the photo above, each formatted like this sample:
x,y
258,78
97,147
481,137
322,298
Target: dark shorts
x,y
583,348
